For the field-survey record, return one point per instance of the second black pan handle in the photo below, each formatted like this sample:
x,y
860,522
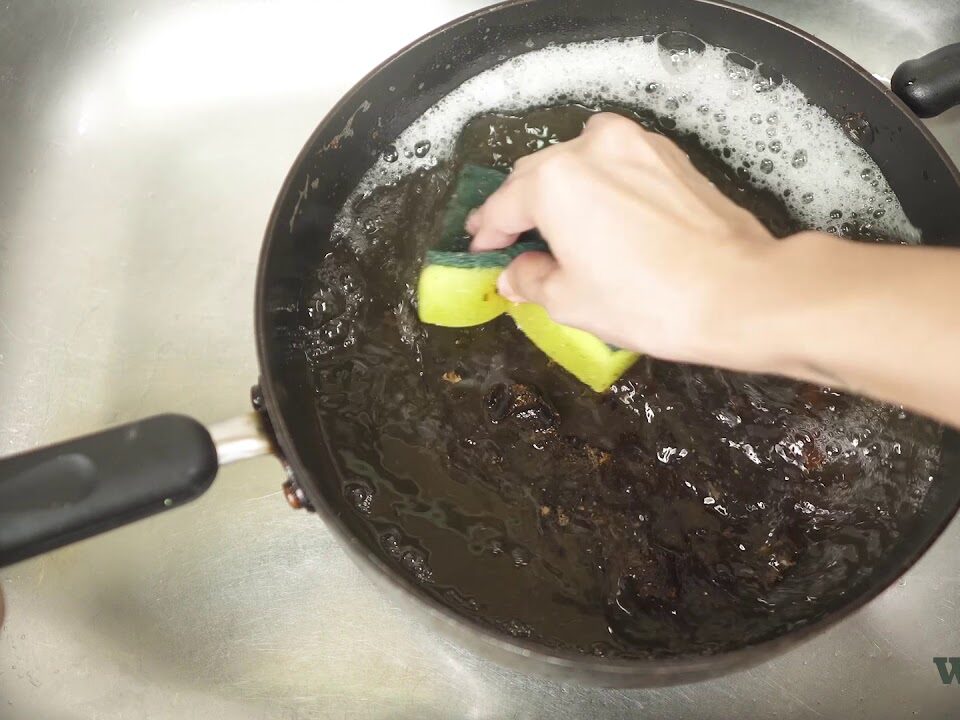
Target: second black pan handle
x,y
62,493
931,84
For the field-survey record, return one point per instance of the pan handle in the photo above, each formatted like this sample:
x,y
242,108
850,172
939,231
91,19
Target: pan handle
x,y
59,494
931,84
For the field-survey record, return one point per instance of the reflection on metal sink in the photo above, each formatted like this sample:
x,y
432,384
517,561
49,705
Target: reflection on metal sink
x,y
141,150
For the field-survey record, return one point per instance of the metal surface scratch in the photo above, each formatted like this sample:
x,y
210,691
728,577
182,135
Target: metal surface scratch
x,y
147,229
347,131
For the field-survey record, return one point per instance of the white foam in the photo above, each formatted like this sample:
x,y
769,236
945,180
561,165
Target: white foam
x,y
817,171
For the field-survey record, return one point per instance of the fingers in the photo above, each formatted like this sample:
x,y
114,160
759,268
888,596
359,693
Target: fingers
x,y
507,213
510,210
530,278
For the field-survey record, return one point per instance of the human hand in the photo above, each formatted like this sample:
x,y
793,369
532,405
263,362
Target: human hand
x,y
646,253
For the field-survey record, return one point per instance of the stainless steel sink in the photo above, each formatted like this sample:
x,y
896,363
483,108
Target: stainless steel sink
x,y
141,147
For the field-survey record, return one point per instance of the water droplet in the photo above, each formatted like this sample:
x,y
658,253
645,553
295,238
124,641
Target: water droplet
x,y
728,417
739,67
766,166
775,146
521,556
773,118
519,629
879,213
720,116
836,214
652,88
767,79
390,540
600,649
390,154
806,198
703,109
771,132
360,495
756,118
858,128
866,173
723,130
672,104
680,51
799,159
760,145
415,563
422,148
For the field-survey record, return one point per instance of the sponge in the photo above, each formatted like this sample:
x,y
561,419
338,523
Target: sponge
x,y
458,288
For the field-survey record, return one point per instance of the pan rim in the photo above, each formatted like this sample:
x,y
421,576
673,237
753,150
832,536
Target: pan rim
x,y
606,670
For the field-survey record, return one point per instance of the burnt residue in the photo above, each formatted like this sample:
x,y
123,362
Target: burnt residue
x,y
686,511
524,405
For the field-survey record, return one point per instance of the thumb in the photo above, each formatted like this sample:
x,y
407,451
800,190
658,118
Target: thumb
x,y
527,278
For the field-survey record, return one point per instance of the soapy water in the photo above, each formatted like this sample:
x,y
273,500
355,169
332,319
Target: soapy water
x,y
687,510
760,121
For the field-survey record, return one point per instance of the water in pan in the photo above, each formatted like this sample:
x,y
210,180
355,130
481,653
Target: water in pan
x,y
687,510
763,124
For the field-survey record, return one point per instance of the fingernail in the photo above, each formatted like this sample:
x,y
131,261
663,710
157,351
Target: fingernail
x,y
506,289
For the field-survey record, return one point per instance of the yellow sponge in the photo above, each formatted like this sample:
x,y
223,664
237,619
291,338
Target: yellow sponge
x,y
459,297
463,297
458,288
585,356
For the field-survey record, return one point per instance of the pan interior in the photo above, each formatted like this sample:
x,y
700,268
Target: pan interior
x,y
687,511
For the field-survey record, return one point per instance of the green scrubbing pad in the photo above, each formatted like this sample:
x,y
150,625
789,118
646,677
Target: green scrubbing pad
x,y
458,288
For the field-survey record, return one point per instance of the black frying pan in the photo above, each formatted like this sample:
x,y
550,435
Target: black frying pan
x,y
60,494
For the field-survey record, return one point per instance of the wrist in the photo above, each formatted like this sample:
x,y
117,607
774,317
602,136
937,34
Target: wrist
x,y
805,280
767,314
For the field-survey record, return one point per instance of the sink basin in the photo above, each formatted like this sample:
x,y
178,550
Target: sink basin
x,y
142,147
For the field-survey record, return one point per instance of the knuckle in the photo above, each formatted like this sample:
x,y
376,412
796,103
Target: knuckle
x,y
609,123
622,137
550,167
655,151
609,129
557,173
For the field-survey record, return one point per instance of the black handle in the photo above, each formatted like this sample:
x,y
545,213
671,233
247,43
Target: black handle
x,y
930,84
63,493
